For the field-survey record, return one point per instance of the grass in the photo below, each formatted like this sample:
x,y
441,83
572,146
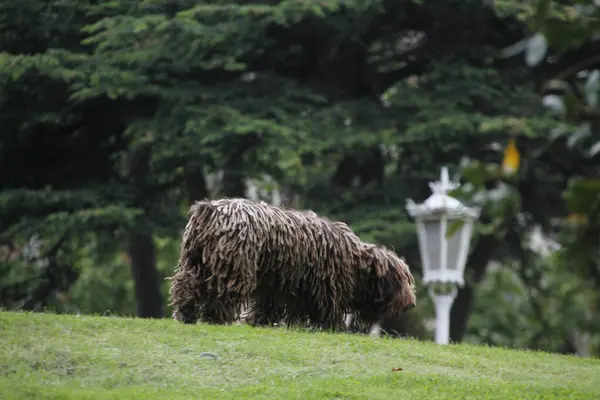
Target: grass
x,y
87,357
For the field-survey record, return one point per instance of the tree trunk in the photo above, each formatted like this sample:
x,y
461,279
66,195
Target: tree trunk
x,y
233,184
148,296
580,342
463,304
195,183
461,311
142,250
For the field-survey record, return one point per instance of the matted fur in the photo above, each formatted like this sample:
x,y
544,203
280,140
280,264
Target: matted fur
x,y
282,264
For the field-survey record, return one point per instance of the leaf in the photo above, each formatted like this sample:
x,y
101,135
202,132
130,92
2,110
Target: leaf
x,y
595,149
512,158
554,102
572,103
557,84
542,9
582,194
454,227
537,46
577,218
475,173
139,26
112,94
514,48
581,133
591,88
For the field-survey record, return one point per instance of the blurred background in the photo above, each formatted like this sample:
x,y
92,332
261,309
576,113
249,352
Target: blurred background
x,y
116,115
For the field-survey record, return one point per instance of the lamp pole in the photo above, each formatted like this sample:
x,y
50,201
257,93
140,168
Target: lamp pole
x,y
444,228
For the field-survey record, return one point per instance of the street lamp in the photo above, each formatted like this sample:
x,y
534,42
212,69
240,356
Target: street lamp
x,y
443,253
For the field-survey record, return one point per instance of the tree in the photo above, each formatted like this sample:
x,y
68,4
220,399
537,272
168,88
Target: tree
x,y
349,107
56,158
560,164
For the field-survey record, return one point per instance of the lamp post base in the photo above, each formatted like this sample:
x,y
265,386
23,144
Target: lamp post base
x,y
443,305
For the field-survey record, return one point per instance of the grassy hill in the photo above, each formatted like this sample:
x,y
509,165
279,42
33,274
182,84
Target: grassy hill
x,y
68,357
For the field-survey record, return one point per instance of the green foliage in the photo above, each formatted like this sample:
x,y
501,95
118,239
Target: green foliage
x,y
348,106
547,293
514,310
113,289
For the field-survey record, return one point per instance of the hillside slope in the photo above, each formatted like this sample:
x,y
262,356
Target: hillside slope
x,y
68,357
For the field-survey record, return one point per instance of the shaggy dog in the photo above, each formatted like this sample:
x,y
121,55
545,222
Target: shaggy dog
x,y
282,264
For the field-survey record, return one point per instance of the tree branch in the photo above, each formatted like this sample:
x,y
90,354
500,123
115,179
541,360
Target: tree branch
x,y
463,305
572,70
50,278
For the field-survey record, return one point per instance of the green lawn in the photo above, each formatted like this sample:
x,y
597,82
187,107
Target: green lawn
x,y
67,357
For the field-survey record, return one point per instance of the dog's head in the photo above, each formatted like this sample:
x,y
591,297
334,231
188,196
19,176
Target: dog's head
x,y
385,286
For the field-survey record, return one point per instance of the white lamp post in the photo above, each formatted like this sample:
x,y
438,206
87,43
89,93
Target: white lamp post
x,y
443,256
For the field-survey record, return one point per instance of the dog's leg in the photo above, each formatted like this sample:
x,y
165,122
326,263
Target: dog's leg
x,y
375,330
348,320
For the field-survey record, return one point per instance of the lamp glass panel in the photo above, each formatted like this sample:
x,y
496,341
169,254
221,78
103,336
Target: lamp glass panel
x,y
432,243
454,245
